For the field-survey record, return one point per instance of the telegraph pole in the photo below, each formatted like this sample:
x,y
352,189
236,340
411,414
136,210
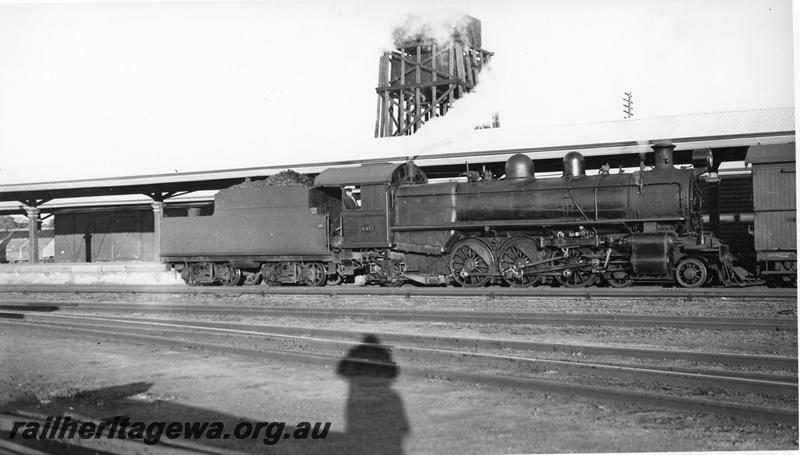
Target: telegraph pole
x,y
627,104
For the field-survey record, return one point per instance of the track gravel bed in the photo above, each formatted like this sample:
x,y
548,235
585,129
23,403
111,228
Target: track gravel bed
x,y
772,342
667,306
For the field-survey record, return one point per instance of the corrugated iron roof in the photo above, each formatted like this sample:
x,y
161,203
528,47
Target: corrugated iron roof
x,y
708,129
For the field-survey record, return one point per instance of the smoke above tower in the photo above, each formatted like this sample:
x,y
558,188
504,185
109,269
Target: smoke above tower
x,y
436,61
438,28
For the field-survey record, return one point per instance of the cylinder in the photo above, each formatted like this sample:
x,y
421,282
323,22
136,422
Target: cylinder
x,y
651,253
193,211
519,166
574,165
664,156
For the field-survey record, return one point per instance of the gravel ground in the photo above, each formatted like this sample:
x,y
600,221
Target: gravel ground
x,y
44,373
677,306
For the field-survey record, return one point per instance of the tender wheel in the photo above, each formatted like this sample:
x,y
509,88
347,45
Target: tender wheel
x,y
316,275
691,273
228,274
334,279
270,276
468,267
513,259
251,279
201,273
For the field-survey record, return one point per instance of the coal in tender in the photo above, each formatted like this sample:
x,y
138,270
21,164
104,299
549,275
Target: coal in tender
x,y
284,178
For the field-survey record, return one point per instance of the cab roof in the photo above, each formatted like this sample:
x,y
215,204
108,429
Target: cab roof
x,y
762,154
389,173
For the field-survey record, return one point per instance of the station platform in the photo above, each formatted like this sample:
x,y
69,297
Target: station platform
x,y
144,273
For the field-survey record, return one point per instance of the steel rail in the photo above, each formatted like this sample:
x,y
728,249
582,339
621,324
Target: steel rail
x,y
787,416
410,290
499,317
768,361
727,381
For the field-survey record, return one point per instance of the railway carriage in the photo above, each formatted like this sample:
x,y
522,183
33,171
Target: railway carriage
x,y
575,231
775,212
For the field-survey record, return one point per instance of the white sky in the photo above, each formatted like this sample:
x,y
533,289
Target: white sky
x,y
108,89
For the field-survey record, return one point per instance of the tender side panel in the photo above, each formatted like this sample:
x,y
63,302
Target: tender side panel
x,y
255,232
260,198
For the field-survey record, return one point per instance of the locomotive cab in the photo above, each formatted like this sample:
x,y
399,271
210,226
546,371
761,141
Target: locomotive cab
x,y
367,194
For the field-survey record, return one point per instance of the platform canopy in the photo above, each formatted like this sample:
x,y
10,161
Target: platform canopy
x,y
446,154
715,130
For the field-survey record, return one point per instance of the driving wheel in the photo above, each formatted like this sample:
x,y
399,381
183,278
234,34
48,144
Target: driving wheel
x,y
468,264
514,260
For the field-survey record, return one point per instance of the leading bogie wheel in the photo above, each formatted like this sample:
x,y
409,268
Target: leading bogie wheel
x,y
691,272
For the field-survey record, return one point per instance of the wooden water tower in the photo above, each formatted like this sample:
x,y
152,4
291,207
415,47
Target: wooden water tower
x,y
424,76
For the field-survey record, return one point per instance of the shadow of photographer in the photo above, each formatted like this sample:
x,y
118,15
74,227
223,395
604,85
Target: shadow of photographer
x,y
376,422
376,417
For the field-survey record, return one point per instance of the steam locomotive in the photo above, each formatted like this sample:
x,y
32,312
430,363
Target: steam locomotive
x,y
574,231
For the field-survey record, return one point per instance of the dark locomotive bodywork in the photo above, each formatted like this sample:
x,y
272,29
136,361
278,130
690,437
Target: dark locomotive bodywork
x,y
251,227
574,231
250,223
600,199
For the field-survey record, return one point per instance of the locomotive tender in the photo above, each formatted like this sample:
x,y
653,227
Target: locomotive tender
x,y
573,231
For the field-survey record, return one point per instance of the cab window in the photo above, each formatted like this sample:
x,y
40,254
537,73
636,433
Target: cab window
x,y
351,197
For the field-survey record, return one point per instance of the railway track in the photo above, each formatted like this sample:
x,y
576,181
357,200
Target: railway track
x,y
475,317
765,361
409,290
777,395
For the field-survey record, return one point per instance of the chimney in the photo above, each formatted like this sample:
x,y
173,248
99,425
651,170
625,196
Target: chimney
x,y
664,156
